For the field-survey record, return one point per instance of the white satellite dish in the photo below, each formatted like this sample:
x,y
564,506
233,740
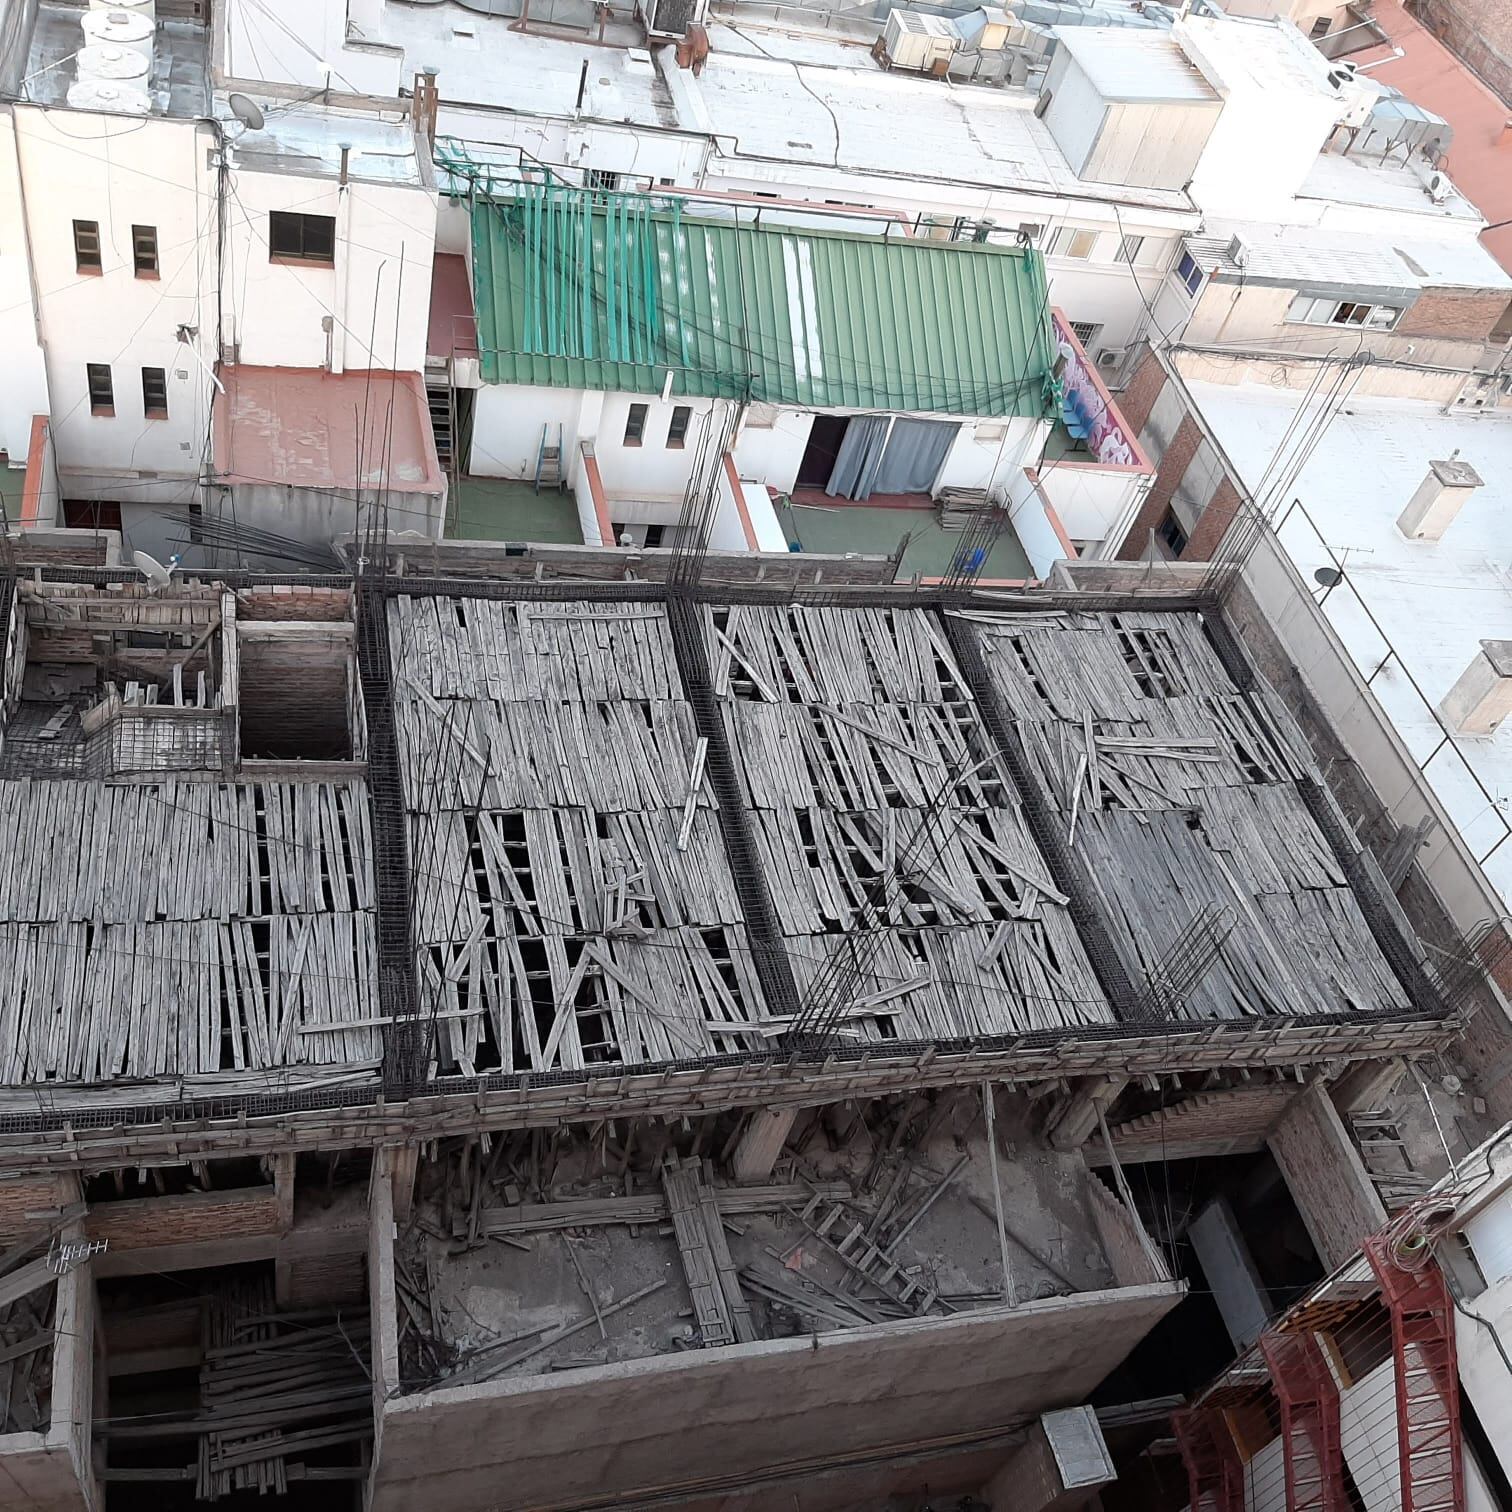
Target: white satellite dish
x,y
246,110
153,570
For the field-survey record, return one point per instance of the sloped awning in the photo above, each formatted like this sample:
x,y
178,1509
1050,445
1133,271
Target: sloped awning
x,y
615,291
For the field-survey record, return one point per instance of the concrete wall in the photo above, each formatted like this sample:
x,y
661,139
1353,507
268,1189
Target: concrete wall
x,y
732,1414
1326,1177
1093,502
773,451
507,422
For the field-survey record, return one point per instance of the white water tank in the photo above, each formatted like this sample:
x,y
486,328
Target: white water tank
x,y
119,28
112,65
102,94
146,8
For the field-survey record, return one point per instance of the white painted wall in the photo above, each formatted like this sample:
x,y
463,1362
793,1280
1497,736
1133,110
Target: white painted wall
x,y
991,454
507,422
1483,1368
1026,511
653,471
1091,501
23,373
377,294
1076,111
285,42
120,172
773,452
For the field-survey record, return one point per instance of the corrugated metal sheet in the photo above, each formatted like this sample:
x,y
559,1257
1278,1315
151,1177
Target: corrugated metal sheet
x,y
609,291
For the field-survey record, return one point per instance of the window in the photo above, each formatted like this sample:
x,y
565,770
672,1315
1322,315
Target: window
x,y
1189,273
1085,332
101,389
301,238
1072,243
87,246
1308,309
600,178
1170,532
677,431
144,251
635,424
1129,248
155,393
1320,27
92,514
655,535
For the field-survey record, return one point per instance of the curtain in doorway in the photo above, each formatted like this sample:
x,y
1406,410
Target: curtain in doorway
x,y
915,453
859,457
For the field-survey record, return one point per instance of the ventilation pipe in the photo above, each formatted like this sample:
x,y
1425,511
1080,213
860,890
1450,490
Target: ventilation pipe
x,y
1482,697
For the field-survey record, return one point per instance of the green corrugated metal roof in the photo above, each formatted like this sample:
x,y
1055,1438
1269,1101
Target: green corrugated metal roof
x,y
586,290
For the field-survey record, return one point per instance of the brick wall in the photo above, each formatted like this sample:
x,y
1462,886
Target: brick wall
x,y
1480,31
1454,314
194,1217
1138,396
292,601
1215,521
18,1198
1168,475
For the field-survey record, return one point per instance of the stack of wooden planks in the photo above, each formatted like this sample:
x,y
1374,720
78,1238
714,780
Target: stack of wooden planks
x,y
276,1388
1180,793
26,1360
183,929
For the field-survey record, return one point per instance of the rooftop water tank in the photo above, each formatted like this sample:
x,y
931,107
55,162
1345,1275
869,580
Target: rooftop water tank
x,y
146,8
119,28
102,94
113,65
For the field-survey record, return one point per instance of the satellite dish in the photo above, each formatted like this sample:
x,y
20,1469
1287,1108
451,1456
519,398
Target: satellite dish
x,y
246,110
1328,577
153,570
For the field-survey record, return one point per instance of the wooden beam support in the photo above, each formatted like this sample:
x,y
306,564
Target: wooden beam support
x,y
1366,1085
761,1143
1075,1123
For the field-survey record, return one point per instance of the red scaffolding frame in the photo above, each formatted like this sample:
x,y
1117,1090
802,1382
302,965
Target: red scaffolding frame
x,y
1215,1473
1308,1394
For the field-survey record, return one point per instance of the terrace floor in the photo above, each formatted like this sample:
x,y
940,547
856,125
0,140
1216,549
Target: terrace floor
x,y
836,527
509,509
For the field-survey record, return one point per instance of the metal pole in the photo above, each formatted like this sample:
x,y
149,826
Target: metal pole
x,y
997,1195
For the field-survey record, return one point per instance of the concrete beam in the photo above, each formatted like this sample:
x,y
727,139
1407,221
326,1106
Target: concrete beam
x,y
1326,1177
1061,1467
1366,1085
761,1143
1076,1122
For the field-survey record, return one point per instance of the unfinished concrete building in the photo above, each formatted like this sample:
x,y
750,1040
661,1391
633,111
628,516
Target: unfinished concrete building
x,y
504,1043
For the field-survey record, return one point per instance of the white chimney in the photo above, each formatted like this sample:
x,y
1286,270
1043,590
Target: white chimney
x,y
1482,697
1438,499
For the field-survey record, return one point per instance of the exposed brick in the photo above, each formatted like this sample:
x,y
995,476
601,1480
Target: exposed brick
x,y
18,1198
1214,523
1138,396
293,601
1454,314
1169,472
193,1217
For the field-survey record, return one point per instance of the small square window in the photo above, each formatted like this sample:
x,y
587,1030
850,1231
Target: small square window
x,y
1085,332
101,389
1129,248
144,253
87,246
92,514
1189,273
635,424
155,393
1320,27
301,238
1069,242
1349,313
600,178
677,431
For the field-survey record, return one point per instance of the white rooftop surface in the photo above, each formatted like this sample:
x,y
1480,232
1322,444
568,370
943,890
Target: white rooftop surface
x,y
305,138
1434,602
866,120
1129,65
1330,255
1371,184
1238,53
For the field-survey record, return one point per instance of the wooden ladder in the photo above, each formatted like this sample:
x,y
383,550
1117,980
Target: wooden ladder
x,y
866,1259
548,470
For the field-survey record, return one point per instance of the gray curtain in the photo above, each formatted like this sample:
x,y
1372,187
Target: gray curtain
x,y
915,452
859,457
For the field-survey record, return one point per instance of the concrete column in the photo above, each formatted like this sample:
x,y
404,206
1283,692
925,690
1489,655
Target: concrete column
x,y
1230,1272
762,1142
1061,1467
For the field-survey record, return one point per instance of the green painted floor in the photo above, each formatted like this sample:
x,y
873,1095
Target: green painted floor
x,y
876,532
505,509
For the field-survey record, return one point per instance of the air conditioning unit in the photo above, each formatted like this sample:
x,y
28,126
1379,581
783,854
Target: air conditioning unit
x,y
919,43
1111,357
